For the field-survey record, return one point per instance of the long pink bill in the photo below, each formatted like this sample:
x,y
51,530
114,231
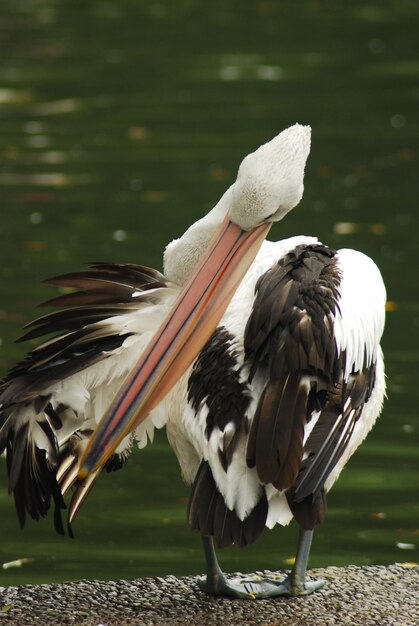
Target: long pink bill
x,y
189,324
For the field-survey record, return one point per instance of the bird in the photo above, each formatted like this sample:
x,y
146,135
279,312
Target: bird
x,y
261,359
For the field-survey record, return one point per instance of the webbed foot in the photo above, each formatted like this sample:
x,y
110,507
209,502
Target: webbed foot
x,y
254,587
293,586
251,587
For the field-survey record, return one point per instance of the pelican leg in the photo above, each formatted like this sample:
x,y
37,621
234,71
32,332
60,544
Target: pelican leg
x,y
216,582
295,584
253,587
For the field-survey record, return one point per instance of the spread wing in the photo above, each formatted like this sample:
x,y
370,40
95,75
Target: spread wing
x,y
52,399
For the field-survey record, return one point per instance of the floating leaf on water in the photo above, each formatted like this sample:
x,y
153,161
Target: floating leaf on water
x,y
14,96
153,196
138,133
408,564
16,563
120,235
377,229
35,246
405,546
67,105
269,72
42,179
406,154
378,515
219,173
290,560
408,428
345,228
324,171
36,217
11,152
52,157
391,306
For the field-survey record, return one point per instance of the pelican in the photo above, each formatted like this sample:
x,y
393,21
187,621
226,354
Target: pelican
x,y
262,359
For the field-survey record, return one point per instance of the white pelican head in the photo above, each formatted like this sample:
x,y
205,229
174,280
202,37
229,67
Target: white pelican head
x,y
270,181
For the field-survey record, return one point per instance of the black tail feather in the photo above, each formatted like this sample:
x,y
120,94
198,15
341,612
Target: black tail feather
x,y
208,513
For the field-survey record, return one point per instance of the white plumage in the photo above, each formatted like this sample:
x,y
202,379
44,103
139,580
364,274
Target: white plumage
x,y
356,332
262,417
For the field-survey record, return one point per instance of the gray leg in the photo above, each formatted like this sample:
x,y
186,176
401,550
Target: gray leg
x,y
215,576
216,583
295,583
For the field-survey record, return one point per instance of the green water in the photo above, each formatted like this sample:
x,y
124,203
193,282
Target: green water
x,y
120,124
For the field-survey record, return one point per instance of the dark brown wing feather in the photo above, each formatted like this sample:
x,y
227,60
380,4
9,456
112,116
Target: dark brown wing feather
x,y
29,424
74,318
105,283
290,327
275,444
290,337
332,431
109,290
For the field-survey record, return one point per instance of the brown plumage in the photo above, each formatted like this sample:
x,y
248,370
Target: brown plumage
x,y
290,334
208,513
275,445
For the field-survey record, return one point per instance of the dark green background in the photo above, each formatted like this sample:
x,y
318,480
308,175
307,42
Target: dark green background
x,y
127,120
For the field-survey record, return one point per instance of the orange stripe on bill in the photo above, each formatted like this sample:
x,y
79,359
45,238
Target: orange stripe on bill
x,y
188,326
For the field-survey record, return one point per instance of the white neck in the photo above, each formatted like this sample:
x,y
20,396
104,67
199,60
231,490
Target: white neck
x,y
182,255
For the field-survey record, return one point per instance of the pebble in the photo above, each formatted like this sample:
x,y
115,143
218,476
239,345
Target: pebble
x,y
370,595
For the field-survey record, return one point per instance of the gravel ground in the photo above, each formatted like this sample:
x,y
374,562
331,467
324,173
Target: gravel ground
x,y
382,596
